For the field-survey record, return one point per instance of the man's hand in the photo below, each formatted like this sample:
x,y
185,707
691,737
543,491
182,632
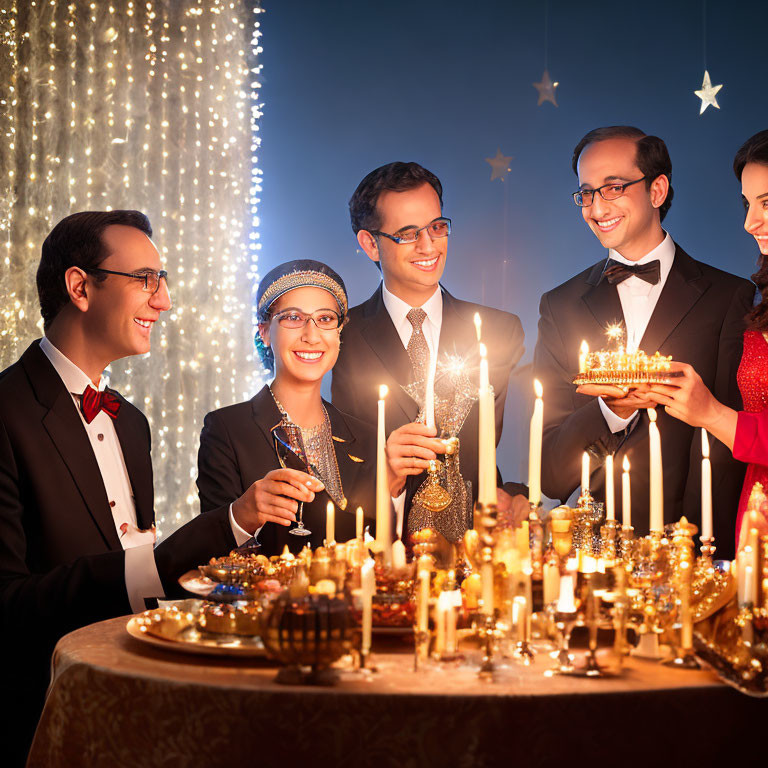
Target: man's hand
x,y
515,508
410,448
622,401
274,499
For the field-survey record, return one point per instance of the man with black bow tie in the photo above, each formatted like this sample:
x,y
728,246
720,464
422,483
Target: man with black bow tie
x,y
392,338
76,494
668,302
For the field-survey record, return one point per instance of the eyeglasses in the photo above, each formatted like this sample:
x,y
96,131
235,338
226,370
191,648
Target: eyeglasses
x,y
324,319
435,229
585,197
150,277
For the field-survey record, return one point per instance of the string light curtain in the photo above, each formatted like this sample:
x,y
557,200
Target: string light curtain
x,y
151,105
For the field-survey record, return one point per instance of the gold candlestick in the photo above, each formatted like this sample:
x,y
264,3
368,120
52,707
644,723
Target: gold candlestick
x,y
682,580
485,521
608,533
626,538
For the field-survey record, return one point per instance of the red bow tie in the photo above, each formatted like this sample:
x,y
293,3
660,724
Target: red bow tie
x,y
91,402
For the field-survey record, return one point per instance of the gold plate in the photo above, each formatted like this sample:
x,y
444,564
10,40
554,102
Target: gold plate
x,y
175,630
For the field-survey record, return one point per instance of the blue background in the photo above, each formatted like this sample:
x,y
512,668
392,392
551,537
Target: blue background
x,y
349,86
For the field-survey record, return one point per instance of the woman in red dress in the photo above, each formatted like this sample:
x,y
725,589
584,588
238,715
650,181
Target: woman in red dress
x,y
744,432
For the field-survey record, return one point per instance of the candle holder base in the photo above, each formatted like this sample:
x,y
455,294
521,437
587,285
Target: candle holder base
x,y
523,652
421,648
684,660
648,647
487,633
366,663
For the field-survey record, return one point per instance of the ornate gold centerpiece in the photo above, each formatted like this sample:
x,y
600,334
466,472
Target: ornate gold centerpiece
x,y
619,367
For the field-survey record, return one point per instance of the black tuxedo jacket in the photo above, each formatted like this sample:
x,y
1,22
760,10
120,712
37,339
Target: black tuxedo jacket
x,y
61,563
237,448
699,319
373,354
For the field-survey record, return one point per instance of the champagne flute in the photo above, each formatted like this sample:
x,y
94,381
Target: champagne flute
x,y
290,459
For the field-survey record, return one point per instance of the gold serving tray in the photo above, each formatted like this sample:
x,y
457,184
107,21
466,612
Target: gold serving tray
x,y
174,628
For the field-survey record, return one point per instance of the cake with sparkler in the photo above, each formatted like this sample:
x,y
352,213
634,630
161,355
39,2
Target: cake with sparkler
x,y
619,367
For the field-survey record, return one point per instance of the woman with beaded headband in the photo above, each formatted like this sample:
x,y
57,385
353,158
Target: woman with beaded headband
x,y
744,432
248,451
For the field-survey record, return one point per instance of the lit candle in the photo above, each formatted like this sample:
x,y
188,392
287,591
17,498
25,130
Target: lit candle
x,y
330,524
749,587
478,326
657,479
610,500
368,584
451,636
519,616
741,564
486,485
706,488
583,354
423,601
359,524
443,606
398,555
565,601
551,582
534,453
584,473
383,501
626,496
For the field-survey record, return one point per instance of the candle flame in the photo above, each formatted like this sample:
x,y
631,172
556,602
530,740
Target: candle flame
x,y
704,444
383,391
478,325
652,414
625,464
483,350
584,347
329,508
537,388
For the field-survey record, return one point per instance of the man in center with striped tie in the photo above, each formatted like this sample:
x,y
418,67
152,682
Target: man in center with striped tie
x,y
411,323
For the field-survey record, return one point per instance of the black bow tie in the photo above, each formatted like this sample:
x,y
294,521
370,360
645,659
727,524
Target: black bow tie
x,y
616,271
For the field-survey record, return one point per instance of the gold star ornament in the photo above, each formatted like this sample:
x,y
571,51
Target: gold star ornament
x,y
499,165
546,89
708,93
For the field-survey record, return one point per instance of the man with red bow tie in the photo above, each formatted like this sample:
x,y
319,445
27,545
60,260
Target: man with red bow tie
x,y
76,493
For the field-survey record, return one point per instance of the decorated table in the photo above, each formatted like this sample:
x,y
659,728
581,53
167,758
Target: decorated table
x,y
117,701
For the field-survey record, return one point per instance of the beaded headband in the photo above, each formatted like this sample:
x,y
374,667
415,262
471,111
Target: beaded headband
x,y
303,279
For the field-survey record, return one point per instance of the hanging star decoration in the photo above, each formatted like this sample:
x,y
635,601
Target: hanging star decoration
x,y
708,93
546,89
499,165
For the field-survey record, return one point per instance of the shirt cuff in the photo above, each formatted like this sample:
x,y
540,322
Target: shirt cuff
x,y
141,577
240,534
615,423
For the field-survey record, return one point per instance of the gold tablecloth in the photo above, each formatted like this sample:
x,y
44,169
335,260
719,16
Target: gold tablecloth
x,y
115,701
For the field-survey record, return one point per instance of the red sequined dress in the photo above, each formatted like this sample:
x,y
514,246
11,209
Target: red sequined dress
x,y
751,441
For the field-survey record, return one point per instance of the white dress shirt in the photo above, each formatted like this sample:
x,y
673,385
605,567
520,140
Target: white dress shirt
x,y
638,300
398,311
141,576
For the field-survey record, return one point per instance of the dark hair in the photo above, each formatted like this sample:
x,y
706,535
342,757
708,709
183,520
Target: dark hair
x,y
393,177
755,150
76,242
652,156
